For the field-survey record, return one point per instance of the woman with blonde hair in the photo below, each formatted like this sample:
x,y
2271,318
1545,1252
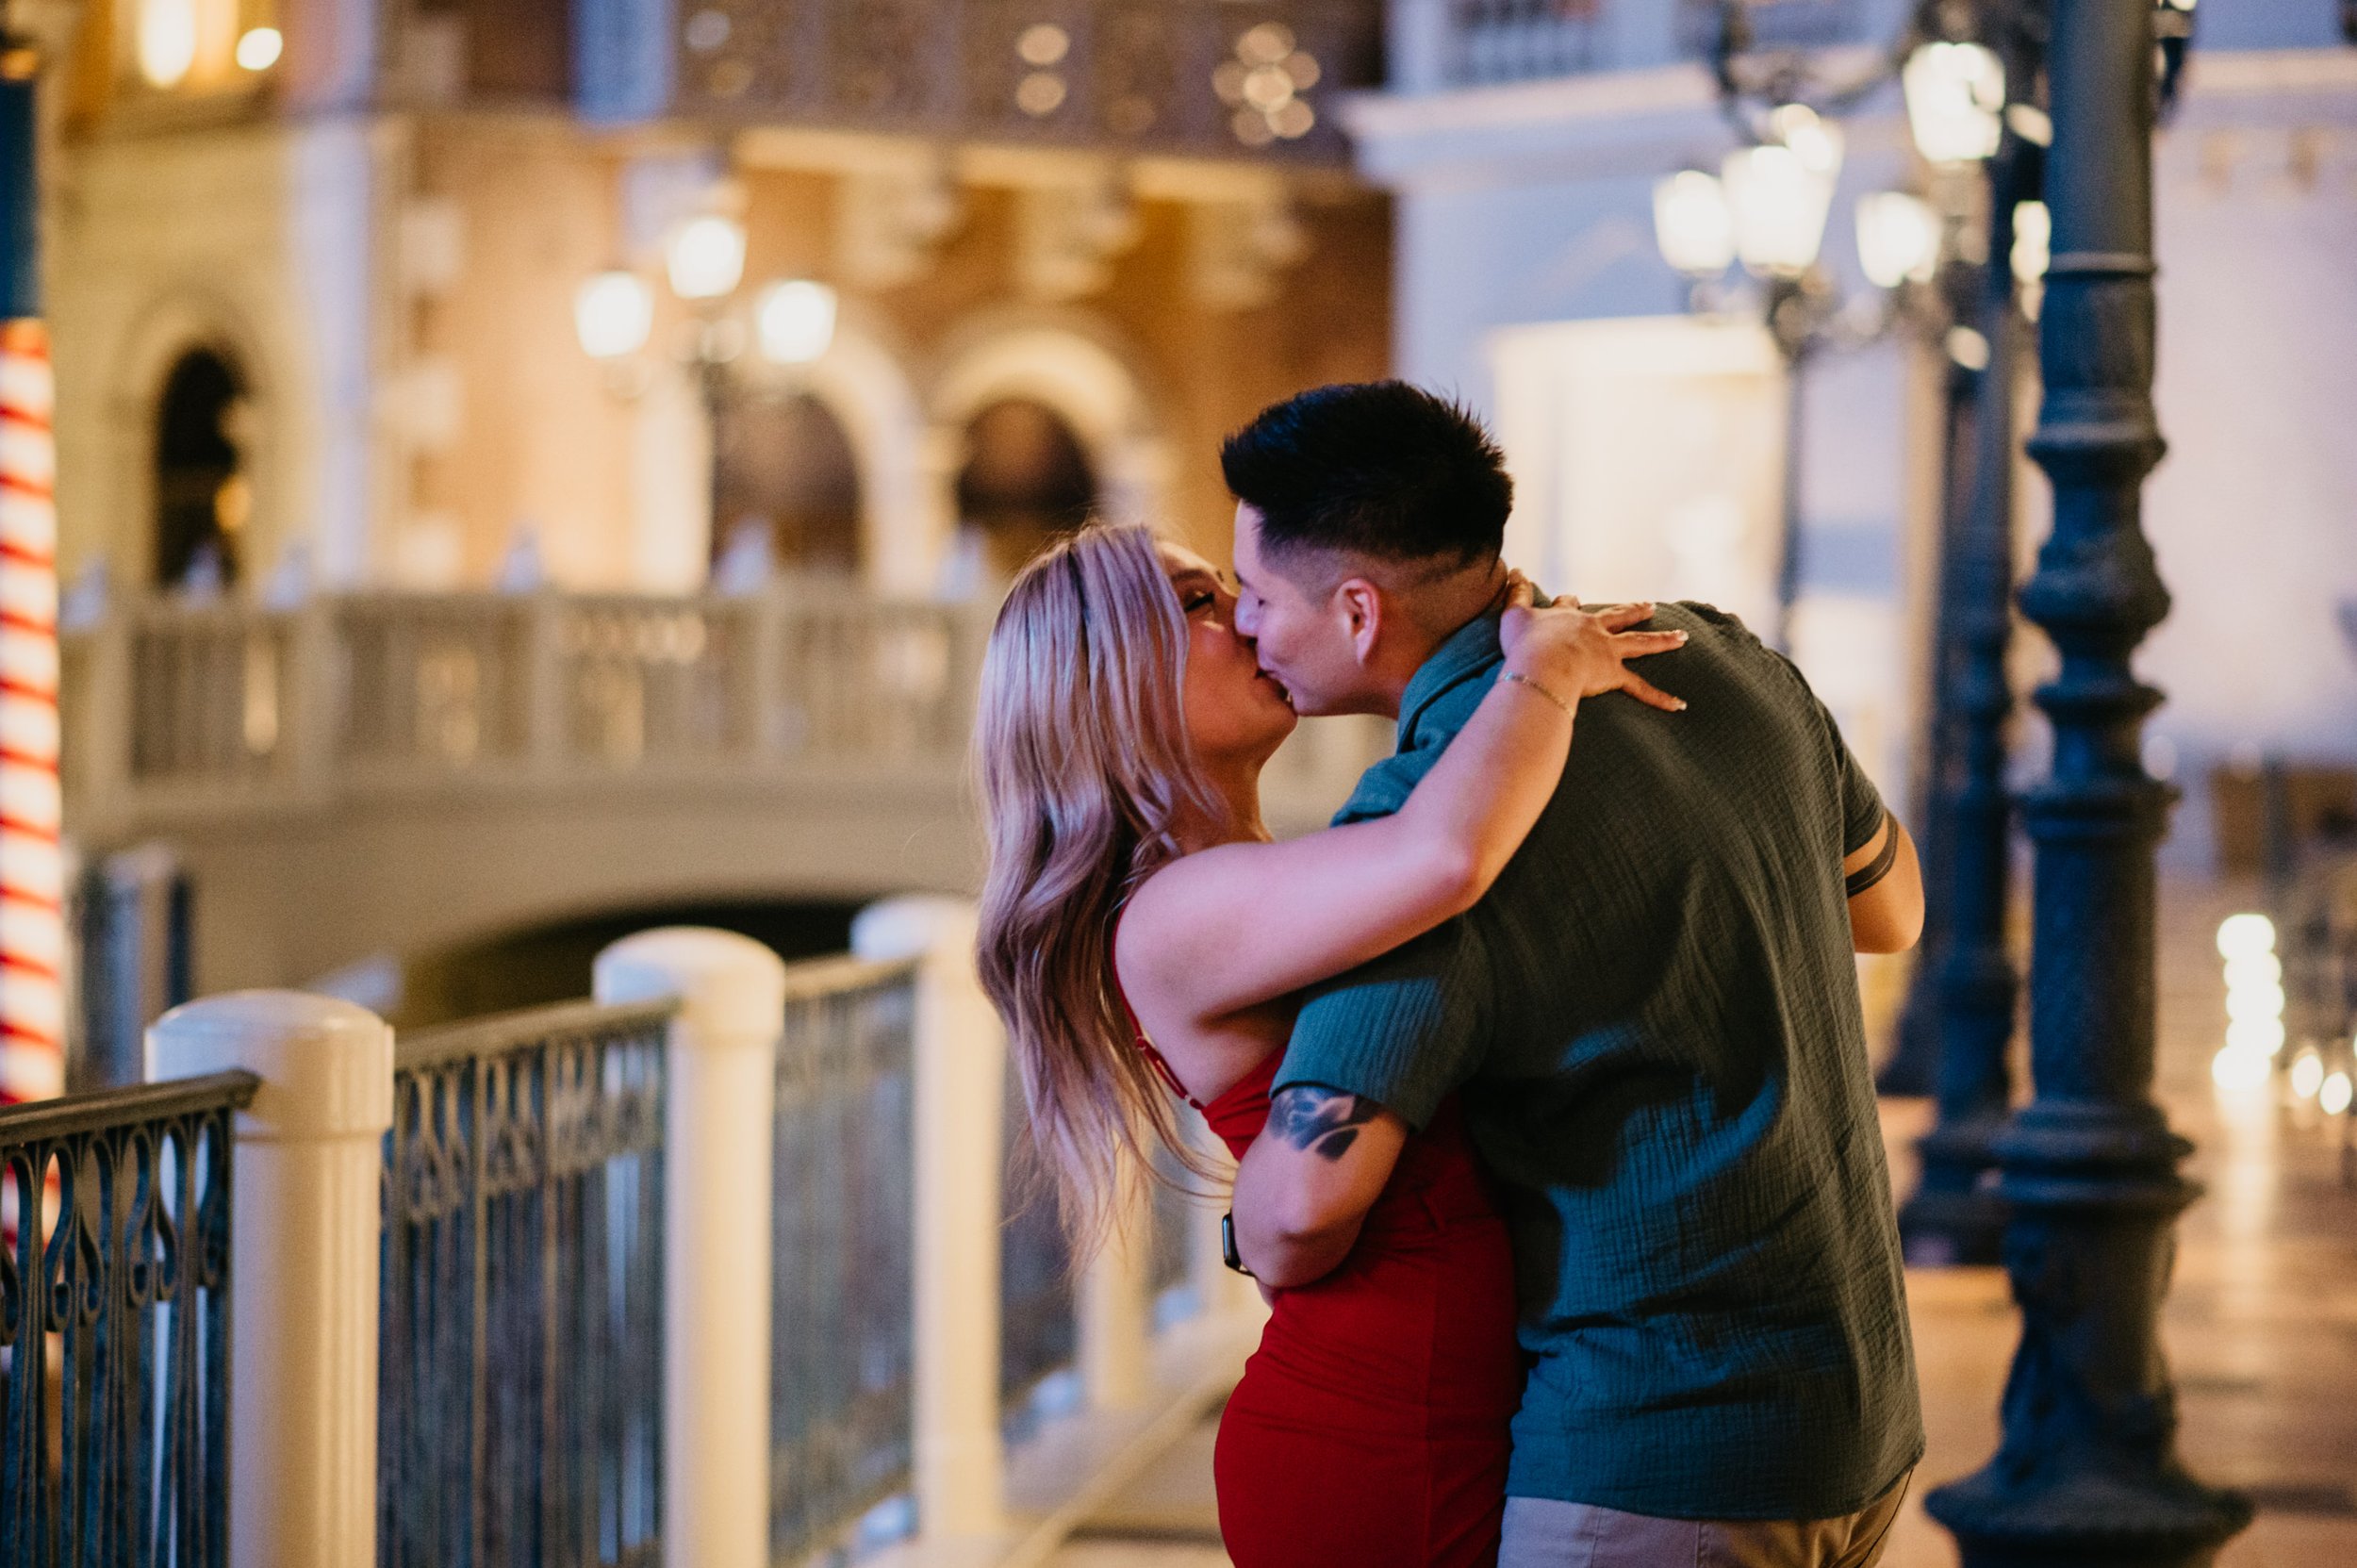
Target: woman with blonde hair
x,y
1123,727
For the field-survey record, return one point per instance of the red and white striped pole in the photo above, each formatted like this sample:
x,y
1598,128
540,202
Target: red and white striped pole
x,y
32,864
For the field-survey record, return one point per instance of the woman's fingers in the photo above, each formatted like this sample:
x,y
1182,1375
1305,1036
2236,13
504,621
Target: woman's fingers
x,y
1651,695
1637,645
1520,594
1621,617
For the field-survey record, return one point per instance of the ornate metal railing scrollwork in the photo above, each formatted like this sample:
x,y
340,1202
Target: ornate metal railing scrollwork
x,y
114,1325
842,1339
1039,1329
521,1390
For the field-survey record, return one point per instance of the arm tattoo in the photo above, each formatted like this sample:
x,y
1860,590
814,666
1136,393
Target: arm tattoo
x,y
1324,1121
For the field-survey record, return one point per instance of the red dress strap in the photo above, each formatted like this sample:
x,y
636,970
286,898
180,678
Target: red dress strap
x,y
1137,1033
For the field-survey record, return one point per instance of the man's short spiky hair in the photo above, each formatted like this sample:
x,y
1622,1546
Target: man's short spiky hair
x,y
1378,468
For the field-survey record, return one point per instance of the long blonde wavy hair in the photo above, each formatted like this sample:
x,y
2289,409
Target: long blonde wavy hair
x,y
1085,772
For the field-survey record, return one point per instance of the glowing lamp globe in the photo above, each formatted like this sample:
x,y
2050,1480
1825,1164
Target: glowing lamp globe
x,y
613,313
795,321
1955,101
1898,239
706,260
1780,205
1692,224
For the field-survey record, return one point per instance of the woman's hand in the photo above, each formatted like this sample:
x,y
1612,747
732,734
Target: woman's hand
x,y
1572,652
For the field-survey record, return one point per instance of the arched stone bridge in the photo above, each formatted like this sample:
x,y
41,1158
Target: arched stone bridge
x,y
392,775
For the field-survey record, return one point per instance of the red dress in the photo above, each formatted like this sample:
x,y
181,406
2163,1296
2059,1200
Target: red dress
x,y
1370,1429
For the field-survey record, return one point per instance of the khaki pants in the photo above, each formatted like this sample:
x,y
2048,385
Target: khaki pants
x,y
1543,1533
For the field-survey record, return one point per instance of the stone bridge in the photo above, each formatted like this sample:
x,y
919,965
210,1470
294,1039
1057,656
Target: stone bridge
x,y
383,776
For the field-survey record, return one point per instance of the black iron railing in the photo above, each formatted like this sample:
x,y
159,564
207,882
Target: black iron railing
x,y
114,1325
521,1390
1038,1326
842,1338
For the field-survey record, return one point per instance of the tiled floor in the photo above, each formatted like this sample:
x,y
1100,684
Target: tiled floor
x,y
2261,1326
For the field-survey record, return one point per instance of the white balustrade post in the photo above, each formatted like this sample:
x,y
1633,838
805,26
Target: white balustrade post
x,y
1416,40
717,1178
960,1070
1117,1309
302,1277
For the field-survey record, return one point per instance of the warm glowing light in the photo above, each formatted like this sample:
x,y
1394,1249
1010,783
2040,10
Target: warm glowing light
x,y
1042,43
796,322
2234,1070
167,40
2033,239
260,48
1898,239
1955,94
1691,223
2254,1001
1816,141
1779,202
2307,1074
612,312
2253,969
2260,1036
2334,1094
2243,936
707,257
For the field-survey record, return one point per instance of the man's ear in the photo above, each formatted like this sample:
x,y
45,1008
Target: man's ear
x,y
1359,606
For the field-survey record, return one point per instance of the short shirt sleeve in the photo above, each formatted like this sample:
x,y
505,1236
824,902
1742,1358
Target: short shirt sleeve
x,y
1862,809
1404,1030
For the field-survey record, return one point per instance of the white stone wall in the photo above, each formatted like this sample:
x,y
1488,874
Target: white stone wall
x,y
262,239
1530,202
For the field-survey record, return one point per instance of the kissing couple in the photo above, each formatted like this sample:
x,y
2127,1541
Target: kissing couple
x,y
1545,1065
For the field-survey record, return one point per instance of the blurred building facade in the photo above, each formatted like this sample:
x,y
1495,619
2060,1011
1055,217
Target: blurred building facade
x,y
1523,143
316,267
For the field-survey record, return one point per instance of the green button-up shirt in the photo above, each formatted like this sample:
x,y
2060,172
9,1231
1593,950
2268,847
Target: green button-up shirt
x,y
1653,1021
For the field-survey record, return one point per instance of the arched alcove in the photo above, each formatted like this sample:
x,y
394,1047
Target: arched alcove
x,y
787,464
204,491
1093,397
1023,478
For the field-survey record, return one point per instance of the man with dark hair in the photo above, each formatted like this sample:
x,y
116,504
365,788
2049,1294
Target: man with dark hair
x,y
1652,1023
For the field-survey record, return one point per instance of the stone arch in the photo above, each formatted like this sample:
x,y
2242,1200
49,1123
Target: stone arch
x,y
176,326
1076,372
861,382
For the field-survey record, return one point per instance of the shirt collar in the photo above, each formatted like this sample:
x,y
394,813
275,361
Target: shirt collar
x,y
1463,654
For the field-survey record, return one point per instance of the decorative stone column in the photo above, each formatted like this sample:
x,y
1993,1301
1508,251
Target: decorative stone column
x,y
303,1296
719,1115
2086,1473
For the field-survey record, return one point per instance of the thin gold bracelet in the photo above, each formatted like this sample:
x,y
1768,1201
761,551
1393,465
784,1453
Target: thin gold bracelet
x,y
1521,679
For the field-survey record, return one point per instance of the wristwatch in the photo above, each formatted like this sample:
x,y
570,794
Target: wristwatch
x,y
1228,1245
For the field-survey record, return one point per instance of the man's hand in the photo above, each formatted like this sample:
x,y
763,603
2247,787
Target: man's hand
x,y
1572,652
1309,1179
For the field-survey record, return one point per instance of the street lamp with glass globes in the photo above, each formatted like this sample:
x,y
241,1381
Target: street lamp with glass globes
x,y
1768,207
793,320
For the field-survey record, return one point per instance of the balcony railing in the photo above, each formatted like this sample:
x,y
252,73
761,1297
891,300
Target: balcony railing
x,y
177,713
1143,76
1444,43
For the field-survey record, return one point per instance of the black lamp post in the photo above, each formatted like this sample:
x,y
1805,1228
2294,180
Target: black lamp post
x,y
2086,1471
1962,1002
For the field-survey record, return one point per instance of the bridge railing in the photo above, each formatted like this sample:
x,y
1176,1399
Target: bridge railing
x,y
519,1413
699,1271
116,1241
